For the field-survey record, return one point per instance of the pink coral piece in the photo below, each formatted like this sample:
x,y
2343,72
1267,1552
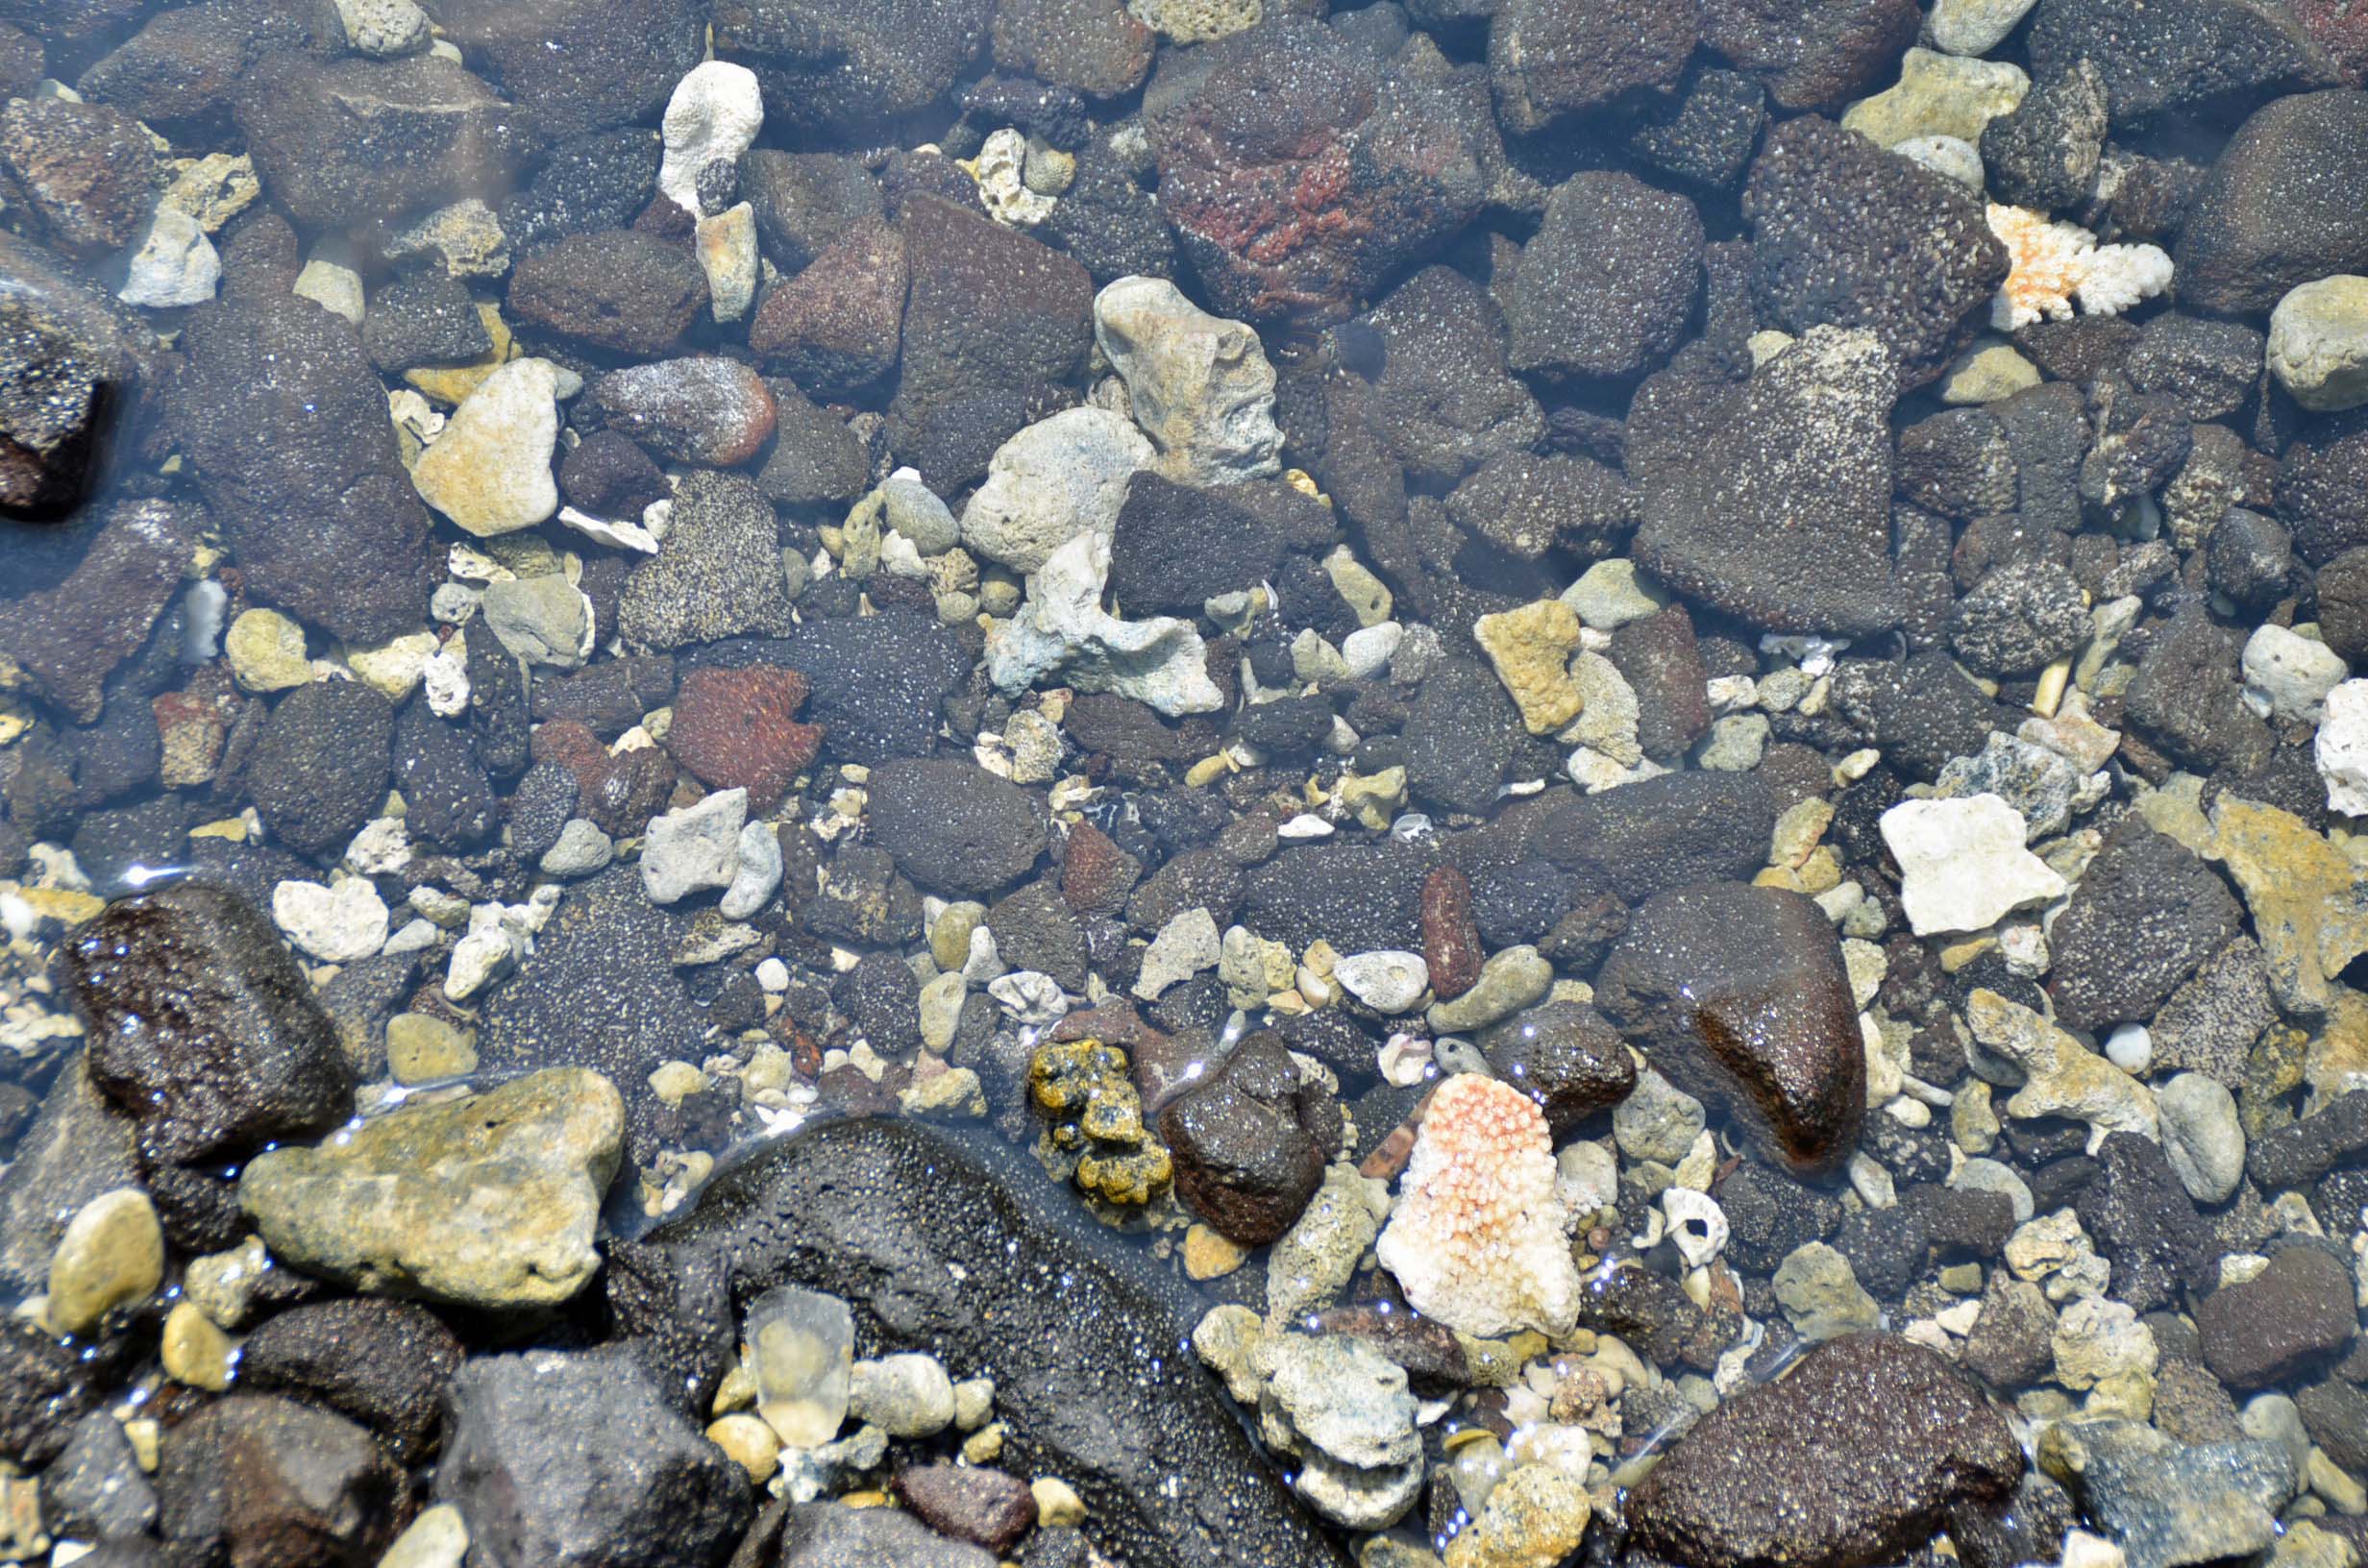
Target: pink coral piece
x,y
1478,1240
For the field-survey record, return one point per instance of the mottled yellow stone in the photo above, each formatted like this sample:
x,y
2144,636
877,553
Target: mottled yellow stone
x,y
1208,1256
751,1444
195,1352
1530,649
2310,903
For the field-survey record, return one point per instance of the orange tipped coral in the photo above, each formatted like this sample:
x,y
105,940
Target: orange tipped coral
x,y
2055,263
1478,1241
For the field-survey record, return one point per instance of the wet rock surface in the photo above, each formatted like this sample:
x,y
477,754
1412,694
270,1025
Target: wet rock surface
x,y
1737,994
1668,682
845,1205
204,1029
1755,1479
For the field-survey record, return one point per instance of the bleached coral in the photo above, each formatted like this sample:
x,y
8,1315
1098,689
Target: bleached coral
x,y
1477,1240
2055,263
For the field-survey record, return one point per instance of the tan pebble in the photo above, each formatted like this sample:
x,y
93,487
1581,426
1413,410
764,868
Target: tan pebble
x,y
865,1500
736,1393
1208,1256
984,1446
146,1437
436,1539
751,1444
1057,1503
675,1082
422,1048
111,1255
195,1352
974,1402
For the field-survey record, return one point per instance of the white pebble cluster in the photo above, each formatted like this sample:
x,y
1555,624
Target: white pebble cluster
x,y
1477,1240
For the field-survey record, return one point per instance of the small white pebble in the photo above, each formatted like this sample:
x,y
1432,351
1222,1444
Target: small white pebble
x,y
2129,1047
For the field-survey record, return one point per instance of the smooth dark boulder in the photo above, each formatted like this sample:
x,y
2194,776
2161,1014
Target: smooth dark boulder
x,y
2281,207
944,1243
1737,994
573,1460
203,1027
1856,1458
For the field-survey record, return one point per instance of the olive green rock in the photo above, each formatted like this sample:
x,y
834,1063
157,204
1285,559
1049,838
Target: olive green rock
x,y
489,1201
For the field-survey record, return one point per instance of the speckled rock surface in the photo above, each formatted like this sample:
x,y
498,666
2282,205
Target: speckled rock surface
x,y
876,1211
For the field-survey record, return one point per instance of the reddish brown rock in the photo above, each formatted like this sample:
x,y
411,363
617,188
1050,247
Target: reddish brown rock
x,y
1737,996
1115,1022
1856,1458
835,327
191,728
987,1507
257,1479
1297,180
1095,874
86,166
1450,938
614,289
697,410
738,729
618,793
2285,1323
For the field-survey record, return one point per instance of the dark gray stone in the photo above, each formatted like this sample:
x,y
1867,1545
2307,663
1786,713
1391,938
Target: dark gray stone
x,y
570,1460
941,1242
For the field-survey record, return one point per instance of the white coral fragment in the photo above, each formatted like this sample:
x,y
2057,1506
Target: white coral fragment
x,y
1477,1240
2055,264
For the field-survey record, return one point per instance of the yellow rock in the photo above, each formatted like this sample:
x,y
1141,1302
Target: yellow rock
x,y
1534,1518
393,667
63,905
675,1082
1530,649
111,1255
1057,1503
2310,903
195,1352
1375,797
1208,1256
750,1443
1364,592
449,385
422,1048
266,650
232,829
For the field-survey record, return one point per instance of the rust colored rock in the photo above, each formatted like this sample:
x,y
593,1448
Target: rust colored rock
x,y
1737,996
987,1507
834,328
738,729
618,794
1095,874
1115,1022
1298,180
1450,938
